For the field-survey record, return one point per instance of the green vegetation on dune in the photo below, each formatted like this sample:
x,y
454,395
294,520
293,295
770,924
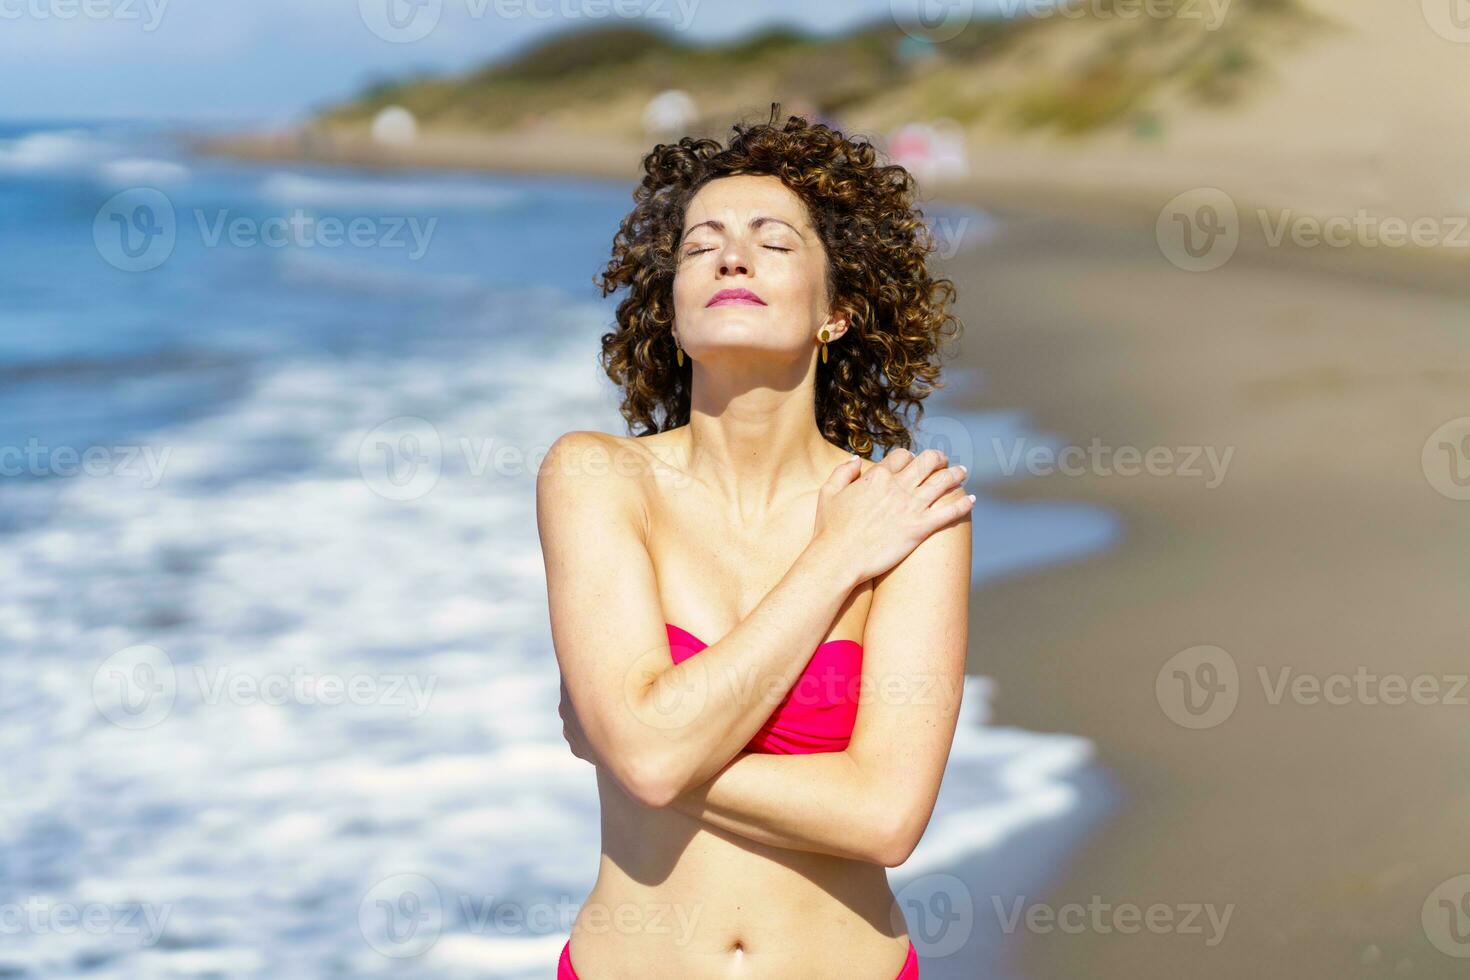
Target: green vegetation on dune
x,y
585,68
1068,74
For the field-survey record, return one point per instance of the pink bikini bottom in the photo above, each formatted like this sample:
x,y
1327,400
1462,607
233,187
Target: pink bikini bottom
x,y
564,969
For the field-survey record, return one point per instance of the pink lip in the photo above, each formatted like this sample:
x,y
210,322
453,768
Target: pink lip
x,y
735,297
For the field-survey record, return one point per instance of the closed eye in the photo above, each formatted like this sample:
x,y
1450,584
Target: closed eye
x,y
778,248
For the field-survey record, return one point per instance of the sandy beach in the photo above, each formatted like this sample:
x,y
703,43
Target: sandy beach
x,y
1324,817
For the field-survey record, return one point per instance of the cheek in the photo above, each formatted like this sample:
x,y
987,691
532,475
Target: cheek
x,y
682,291
809,288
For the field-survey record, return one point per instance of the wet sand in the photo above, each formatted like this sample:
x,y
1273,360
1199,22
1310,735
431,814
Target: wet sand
x,y
1325,550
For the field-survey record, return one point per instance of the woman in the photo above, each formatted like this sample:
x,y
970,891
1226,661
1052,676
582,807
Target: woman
x,y
761,633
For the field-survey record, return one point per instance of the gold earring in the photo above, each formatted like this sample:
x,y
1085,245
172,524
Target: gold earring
x,y
678,352
825,335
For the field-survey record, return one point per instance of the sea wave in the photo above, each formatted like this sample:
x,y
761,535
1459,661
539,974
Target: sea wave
x,y
144,170
50,150
263,826
292,188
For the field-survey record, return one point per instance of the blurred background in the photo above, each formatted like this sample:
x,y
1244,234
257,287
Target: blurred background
x,y
296,296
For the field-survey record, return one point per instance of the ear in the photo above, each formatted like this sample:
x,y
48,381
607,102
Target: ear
x,y
836,325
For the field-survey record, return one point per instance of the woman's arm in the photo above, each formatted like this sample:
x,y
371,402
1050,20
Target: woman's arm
x,y
662,728
873,800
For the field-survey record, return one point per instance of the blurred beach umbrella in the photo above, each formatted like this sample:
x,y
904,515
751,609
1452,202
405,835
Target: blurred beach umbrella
x,y
670,113
395,125
931,150
950,159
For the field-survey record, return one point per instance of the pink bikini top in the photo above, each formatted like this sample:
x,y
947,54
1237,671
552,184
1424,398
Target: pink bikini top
x,y
818,712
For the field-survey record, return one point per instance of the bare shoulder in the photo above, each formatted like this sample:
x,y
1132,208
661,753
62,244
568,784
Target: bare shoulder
x,y
592,471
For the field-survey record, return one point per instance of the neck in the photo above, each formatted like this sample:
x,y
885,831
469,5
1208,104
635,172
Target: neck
x,y
757,443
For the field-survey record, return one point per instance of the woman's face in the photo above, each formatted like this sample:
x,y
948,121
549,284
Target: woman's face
x,y
752,271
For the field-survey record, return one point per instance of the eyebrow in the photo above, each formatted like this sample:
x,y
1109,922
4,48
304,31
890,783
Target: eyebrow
x,y
755,223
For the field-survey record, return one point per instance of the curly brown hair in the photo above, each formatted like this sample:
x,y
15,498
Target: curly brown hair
x,y
877,245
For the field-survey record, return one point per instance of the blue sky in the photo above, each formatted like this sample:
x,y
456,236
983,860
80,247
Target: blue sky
x,y
271,60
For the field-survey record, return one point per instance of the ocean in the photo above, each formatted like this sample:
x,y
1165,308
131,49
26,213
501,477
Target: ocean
x,y
277,694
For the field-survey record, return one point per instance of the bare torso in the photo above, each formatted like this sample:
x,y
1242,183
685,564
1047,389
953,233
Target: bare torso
x,y
678,898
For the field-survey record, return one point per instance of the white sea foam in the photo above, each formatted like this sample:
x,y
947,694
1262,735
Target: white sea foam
x,y
292,188
268,828
142,170
50,150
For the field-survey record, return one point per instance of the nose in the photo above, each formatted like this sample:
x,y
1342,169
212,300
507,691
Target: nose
x,y
733,261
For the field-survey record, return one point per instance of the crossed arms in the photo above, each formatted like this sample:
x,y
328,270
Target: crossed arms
x,y
611,646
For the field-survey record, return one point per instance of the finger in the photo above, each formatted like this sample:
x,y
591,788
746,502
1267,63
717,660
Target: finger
x,y
844,474
945,512
896,459
921,467
940,482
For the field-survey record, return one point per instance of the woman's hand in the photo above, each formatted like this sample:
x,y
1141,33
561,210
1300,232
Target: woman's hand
x,y
571,728
871,522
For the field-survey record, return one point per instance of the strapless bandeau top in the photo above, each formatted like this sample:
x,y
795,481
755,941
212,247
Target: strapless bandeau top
x,y
818,712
